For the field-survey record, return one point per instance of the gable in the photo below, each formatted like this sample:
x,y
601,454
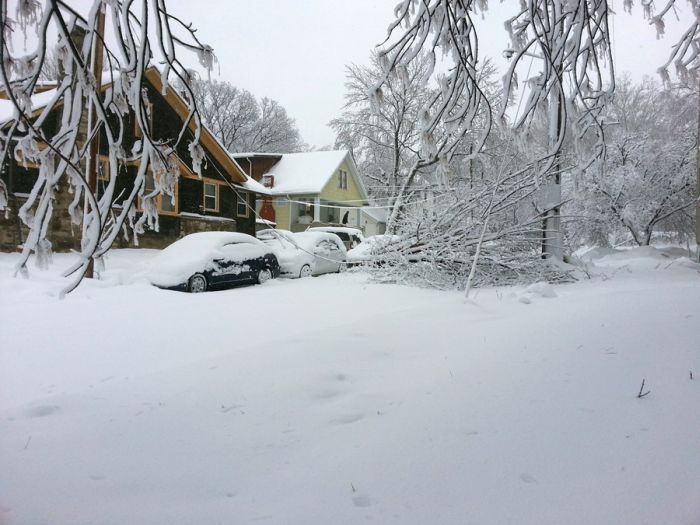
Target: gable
x,y
210,144
333,192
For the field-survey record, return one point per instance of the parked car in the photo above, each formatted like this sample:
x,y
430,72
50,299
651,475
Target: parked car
x,y
351,237
306,253
213,260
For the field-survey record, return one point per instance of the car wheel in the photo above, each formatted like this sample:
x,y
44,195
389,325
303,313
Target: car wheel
x,y
197,283
305,271
342,267
264,275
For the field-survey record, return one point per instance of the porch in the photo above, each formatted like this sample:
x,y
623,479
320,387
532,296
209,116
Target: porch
x,y
314,211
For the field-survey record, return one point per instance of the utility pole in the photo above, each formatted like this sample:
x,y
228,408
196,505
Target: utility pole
x,y
96,59
551,196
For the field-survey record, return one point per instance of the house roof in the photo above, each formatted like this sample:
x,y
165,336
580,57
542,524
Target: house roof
x,y
305,173
251,155
39,100
379,214
211,144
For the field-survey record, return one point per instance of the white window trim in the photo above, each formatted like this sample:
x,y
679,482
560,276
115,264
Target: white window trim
x,y
216,197
247,204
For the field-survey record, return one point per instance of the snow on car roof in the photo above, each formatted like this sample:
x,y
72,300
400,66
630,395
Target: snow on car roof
x,y
309,239
193,253
305,172
333,229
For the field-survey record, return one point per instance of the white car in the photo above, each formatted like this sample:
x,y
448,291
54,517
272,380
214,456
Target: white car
x,y
306,253
351,237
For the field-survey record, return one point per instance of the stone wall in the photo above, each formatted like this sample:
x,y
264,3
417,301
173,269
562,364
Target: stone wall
x,y
64,235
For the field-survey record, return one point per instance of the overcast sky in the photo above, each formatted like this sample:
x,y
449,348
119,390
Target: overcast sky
x,y
295,51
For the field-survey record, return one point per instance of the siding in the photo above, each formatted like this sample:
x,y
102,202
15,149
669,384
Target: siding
x,y
281,213
331,191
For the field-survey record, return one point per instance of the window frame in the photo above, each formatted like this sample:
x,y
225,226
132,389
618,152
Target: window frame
x,y
159,197
242,199
342,180
216,196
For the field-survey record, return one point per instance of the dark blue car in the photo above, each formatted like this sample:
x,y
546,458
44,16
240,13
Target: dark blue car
x,y
213,261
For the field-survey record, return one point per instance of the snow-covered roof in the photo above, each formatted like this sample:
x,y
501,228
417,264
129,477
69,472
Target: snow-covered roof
x,y
254,186
378,214
39,101
42,99
256,154
309,172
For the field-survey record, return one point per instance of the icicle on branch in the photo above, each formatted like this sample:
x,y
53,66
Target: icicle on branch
x,y
62,154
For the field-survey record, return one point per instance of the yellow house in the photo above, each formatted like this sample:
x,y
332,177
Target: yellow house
x,y
319,188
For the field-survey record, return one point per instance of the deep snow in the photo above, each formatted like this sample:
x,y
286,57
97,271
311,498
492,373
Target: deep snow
x,y
336,400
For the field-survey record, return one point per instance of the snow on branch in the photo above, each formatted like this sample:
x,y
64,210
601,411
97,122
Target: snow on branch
x,y
685,53
92,107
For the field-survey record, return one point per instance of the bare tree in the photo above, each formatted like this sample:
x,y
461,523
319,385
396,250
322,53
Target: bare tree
x,y
385,140
137,30
274,131
244,124
646,182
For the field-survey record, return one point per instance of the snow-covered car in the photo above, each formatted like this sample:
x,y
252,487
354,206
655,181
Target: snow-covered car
x,y
351,237
373,249
213,260
305,253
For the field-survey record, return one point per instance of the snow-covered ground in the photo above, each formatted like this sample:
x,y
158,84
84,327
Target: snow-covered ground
x,y
335,400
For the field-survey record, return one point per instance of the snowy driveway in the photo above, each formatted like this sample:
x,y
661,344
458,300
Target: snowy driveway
x,y
334,400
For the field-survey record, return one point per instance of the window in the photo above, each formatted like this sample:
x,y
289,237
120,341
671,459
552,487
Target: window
x,y
166,203
103,170
305,212
343,180
211,197
242,204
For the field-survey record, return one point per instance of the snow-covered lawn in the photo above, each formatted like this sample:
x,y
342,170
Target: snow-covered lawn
x,y
335,400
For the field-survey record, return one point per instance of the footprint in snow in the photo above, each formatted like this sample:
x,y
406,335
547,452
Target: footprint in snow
x,y
527,478
42,410
326,394
347,419
362,501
